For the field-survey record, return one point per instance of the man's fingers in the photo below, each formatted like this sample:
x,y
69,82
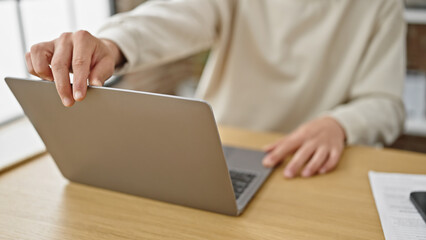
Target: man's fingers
x,y
84,47
284,148
316,162
299,159
271,146
331,162
30,67
61,62
101,72
41,56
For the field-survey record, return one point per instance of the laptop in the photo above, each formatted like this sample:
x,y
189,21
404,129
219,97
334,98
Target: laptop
x,y
156,146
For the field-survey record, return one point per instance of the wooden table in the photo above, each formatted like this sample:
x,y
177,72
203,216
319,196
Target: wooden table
x,y
36,202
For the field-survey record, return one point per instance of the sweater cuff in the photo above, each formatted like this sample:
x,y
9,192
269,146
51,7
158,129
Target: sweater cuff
x,y
354,125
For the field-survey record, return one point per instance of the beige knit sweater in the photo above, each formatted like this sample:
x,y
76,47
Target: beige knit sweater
x,y
275,64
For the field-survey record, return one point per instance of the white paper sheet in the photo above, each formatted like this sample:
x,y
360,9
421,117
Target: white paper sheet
x,y
400,219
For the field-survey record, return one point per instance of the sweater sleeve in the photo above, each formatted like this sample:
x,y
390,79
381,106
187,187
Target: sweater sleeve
x,y
161,31
374,111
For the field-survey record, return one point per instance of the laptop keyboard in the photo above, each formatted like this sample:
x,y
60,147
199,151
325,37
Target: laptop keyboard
x,y
240,181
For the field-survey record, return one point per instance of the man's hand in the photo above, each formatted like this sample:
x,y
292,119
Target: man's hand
x,y
88,57
317,146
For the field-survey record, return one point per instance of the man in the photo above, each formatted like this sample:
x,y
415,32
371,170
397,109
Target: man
x,y
336,67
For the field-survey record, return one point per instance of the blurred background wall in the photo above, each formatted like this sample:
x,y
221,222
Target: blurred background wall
x,y
415,82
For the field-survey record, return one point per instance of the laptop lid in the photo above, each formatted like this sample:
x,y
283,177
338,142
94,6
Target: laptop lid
x,y
161,147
